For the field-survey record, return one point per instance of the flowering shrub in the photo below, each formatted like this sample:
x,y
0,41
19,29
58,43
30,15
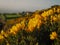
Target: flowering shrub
x,y
37,29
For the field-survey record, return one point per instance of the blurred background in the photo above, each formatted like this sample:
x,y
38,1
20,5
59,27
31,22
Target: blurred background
x,y
25,5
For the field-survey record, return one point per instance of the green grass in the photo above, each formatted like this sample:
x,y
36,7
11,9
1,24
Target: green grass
x,y
6,17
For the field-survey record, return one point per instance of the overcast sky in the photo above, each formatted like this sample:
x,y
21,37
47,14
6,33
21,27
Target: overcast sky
x,y
26,5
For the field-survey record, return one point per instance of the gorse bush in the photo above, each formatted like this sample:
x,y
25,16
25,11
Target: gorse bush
x,y
41,28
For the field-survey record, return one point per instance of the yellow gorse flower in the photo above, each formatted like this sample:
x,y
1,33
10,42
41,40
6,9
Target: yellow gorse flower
x,y
54,18
58,10
4,33
1,36
33,22
22,24
18,25
53,35
15,28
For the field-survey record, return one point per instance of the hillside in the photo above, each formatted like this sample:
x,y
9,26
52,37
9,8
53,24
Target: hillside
x,y
30,29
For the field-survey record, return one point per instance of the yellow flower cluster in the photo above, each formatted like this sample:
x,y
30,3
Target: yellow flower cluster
x,y
58,10
1,36
53,35
4,33
23,23
47,13
34,22
54,18
15,28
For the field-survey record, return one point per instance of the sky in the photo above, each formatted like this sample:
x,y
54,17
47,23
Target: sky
x,y
25,5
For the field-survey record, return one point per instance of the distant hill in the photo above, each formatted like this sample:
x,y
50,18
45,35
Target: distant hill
x,y
6,16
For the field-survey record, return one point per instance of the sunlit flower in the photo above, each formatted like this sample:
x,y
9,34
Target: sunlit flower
x,y
18,25
39,24
23,24
14,29
50,11
54,18
1,36
33,22
53,35
58,10
4,33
